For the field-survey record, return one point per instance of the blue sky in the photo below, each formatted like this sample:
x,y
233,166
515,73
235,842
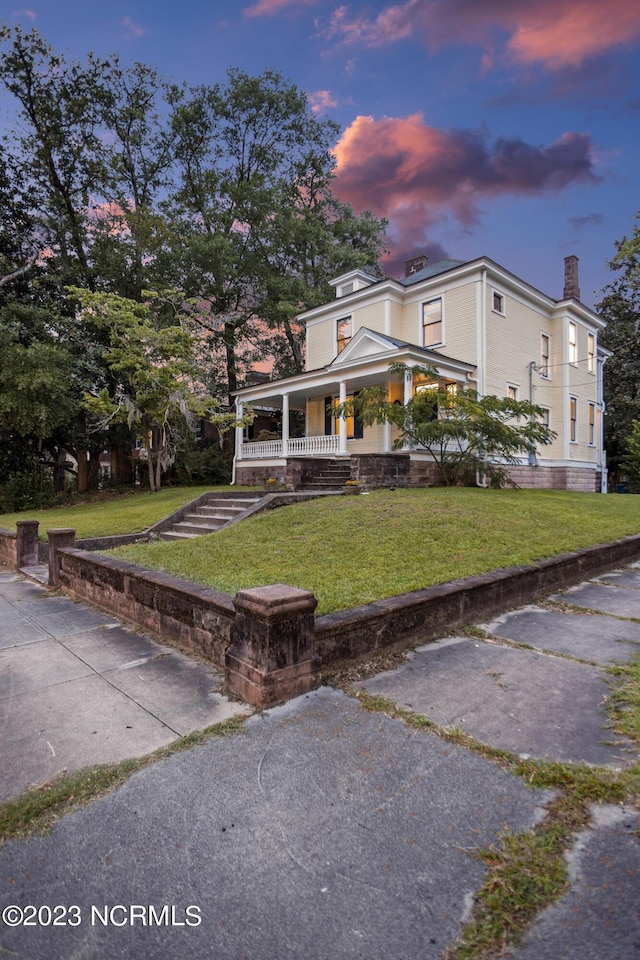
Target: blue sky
x,y
491,127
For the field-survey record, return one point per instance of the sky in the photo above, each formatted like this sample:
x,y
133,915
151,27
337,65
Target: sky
x,y
504,128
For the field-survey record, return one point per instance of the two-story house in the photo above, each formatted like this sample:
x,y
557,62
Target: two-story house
x,y
482,328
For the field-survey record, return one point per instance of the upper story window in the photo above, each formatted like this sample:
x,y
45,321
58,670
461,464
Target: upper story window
x,y
544,354
592,424
591,353
344,329
573,343
512,392
497,302
432,323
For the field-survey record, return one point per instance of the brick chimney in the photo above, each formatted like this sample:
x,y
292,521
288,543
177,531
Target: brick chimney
x,y
415,264
571,284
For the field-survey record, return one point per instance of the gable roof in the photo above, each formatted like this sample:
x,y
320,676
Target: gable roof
x,y
369,343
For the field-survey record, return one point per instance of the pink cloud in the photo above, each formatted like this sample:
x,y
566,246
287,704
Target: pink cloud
x,y
322,100
415,174
135,28
269,8
25,13
555,33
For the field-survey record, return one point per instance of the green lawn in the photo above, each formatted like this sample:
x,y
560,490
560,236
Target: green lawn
x,y
352,550
127,513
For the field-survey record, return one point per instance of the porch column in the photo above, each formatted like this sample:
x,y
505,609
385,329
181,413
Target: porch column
x,y
342,422
408,392
239,430
285,424
386,431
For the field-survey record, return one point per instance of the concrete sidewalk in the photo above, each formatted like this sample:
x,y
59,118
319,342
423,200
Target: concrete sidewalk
x,y
77,688
324,831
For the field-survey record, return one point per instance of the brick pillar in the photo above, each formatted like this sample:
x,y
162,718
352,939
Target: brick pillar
x,y
62,537
26,543
271,657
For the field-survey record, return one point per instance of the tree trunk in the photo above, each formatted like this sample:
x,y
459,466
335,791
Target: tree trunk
x,y
83,470
230,352
94,470
58,470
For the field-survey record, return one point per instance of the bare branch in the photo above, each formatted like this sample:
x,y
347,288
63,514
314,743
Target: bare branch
x,y
19,273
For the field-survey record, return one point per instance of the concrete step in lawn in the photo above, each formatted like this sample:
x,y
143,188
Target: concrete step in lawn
x,y
209,517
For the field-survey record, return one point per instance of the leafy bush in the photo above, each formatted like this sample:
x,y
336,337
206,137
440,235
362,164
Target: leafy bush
x,y
195,467
27,491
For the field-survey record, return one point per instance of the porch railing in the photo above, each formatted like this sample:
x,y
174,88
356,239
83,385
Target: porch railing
x,y
295,447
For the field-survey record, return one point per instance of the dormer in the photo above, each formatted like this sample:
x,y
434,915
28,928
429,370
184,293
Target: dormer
x,y
352,281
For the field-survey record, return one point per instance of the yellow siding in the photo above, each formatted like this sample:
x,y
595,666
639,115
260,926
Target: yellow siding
x,y
396,321
315,418
459,310
321,344
513,342
371,316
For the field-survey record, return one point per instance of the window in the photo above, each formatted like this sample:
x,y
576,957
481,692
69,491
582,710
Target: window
x,y
427,406
512,392
343,333
573,343
591,353
354,424
432,323
545,417
592,424
573,419
497,303
544,355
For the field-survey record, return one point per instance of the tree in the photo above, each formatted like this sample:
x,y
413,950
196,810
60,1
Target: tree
x,y
258,228
620,307
470,438
156,395
631,460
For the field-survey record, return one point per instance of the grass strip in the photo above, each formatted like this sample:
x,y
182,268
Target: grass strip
x,y
111,514
624,700
36,810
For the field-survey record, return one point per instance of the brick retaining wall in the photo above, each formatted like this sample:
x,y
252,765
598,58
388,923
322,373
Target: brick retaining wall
x,y
19,549
428,613
277,649
180,612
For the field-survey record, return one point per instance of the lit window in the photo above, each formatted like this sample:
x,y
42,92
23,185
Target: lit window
x,y
544,355
573,418
354,424
498,303
432,323
343,333
573,343
592,423
591,353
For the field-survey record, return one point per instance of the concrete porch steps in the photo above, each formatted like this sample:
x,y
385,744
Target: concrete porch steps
x,y
209,517
331,476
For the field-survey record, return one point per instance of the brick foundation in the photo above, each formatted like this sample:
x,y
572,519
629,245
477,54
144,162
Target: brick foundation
x,y
374,470
257,475
578,479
